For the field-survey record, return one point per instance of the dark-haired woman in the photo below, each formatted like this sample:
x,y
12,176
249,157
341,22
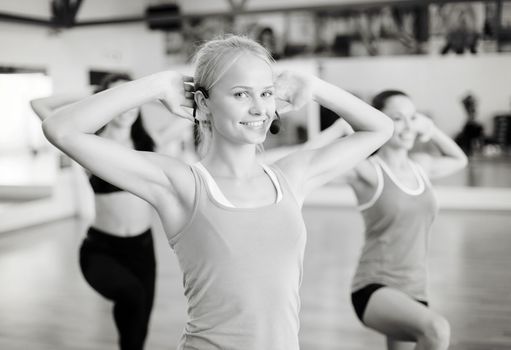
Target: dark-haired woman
x,y
117,256
397,204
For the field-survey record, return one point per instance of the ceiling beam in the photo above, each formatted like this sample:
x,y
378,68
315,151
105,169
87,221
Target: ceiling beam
x,y
106,21
238,10
9,17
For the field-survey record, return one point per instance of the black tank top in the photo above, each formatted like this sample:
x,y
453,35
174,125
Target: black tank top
x,y
100,186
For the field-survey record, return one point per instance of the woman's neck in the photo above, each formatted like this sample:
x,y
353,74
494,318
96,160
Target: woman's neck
x,y
396,158
232,161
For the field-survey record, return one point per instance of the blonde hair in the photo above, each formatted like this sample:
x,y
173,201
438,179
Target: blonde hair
x,y
212,60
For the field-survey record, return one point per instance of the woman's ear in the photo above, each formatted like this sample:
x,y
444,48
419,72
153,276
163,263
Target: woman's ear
x,y
200,98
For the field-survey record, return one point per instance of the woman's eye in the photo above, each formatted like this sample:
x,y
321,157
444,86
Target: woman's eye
x,y
240,94
267,94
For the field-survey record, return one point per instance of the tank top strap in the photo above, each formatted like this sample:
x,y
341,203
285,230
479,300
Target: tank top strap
x,y
287,190
379,186
218,195
276,182
100,186
212,185
395,180
196,199
422,172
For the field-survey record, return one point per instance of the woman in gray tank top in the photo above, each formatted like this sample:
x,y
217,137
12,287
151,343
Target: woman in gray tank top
x,y
398,207
235,225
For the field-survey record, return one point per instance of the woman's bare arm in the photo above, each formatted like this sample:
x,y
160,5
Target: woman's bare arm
x,y
72,129
309,169
452,157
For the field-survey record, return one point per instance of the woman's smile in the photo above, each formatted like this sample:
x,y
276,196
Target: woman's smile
x,y
256,124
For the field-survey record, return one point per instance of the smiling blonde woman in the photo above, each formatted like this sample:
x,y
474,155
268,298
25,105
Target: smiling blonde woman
x,y
235,225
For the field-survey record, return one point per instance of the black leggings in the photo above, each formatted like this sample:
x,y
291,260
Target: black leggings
x,y
360,299
123,270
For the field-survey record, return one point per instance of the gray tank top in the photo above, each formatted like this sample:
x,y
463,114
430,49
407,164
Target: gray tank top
x,y
242,269
397,222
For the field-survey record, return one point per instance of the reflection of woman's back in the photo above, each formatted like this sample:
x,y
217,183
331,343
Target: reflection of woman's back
x,y
117,256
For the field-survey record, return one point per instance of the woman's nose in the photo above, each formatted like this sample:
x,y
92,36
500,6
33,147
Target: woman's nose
x,y
257,107
408,124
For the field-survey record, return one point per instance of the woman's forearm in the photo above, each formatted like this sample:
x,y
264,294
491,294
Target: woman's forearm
x,y
45,106
92,113
337,130
447,146
371,130
360,115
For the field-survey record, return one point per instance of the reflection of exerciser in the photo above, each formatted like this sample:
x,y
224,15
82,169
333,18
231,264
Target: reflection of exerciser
x,y
117,256
389,289
462,34
471,138
398,207
118,264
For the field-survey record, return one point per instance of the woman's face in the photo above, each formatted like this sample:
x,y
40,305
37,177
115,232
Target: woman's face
x,y
242,103
402,111
126,119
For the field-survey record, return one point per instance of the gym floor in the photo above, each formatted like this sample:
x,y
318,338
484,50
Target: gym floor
x,y
45,303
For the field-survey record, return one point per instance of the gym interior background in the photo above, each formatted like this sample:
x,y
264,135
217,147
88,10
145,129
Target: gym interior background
x,y
439,52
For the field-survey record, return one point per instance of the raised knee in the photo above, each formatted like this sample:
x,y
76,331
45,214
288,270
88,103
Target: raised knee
x,y
438,332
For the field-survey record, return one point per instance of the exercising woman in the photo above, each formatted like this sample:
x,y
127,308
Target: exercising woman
x,y
117,257
235,224
397,204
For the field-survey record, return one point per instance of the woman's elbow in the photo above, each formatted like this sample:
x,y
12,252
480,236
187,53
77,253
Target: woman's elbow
x,y
54,131
456,164
34,105
48,131
463,161
387,128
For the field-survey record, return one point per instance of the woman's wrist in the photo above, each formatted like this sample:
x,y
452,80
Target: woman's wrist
x,y
318,85
434,133
156,85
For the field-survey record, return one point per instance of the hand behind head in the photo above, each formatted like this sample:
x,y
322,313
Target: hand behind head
x,y
292,90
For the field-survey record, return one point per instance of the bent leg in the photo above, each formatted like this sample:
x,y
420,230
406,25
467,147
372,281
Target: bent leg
x,y
393,344
145,271
115,282
401,318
